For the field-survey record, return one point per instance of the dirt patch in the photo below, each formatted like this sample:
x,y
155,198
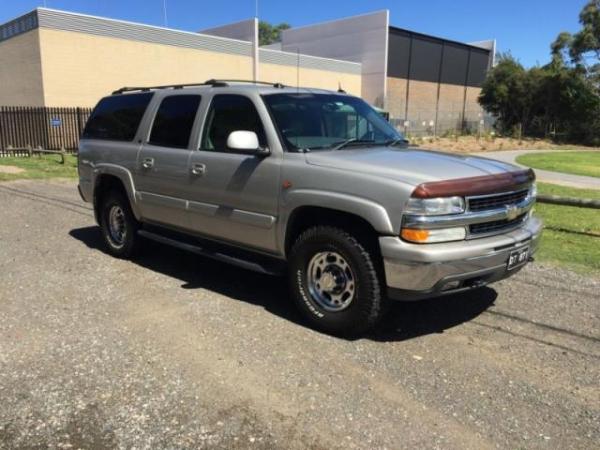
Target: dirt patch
x,y
11,169
473,144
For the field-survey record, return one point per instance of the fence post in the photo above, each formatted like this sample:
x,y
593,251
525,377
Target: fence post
x,y
2,144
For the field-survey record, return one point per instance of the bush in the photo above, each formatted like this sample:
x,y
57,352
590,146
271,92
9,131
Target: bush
x,y
554,101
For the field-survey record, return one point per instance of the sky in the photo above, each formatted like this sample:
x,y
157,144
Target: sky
x,y
524,27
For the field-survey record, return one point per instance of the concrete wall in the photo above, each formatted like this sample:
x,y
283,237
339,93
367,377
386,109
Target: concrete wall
x,y
422,99
58,58
425,104
451,107
360,39
79,68
20,71
313,78
243,30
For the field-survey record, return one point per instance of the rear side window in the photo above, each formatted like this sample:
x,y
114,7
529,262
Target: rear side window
x,y
117,117
174,120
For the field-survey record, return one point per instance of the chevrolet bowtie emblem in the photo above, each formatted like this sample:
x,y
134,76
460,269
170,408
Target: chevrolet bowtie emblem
x,y
512,212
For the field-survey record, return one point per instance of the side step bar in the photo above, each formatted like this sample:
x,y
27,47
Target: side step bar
x,y
218,256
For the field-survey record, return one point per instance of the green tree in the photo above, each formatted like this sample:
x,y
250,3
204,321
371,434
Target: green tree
x,y
269,34
559,100
553,101
505,94
582,49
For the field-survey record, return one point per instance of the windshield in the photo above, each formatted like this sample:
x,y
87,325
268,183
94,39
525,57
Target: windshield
x,y
326,121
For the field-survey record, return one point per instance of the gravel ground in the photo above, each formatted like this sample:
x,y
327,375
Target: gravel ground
x,y
175,351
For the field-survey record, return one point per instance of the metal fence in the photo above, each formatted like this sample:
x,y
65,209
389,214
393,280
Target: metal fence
x,y
49,128
444,123
60,128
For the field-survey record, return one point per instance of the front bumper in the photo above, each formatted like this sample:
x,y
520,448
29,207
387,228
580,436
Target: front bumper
x,y
416,271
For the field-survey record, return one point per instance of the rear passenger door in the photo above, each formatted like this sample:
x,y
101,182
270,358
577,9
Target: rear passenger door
x,y
163,162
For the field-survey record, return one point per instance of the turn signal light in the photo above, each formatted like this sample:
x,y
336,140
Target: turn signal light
x,y
413,235
435,235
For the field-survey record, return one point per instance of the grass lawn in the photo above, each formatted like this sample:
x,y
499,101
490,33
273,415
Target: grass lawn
x,y
48,166
577,163
579,252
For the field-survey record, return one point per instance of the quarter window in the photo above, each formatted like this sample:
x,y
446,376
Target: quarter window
x,y
174,120
230,113
117,117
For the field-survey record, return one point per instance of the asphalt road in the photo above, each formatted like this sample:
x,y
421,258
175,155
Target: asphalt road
x,y
547,176
175,351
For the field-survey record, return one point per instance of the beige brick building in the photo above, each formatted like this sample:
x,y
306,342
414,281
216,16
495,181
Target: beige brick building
x,y
56,58
427,84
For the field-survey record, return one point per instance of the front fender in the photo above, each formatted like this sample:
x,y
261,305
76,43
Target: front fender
x,y
368,210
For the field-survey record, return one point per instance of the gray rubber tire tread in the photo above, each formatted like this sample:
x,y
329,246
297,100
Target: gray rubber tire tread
x,y
370,301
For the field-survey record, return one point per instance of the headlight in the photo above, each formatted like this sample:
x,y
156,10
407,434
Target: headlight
x,y
431,236
435,206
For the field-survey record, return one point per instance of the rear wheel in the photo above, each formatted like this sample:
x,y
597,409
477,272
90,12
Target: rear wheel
x,y
334,281
118,224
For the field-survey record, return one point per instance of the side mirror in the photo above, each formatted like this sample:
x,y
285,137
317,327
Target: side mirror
x,y
245,142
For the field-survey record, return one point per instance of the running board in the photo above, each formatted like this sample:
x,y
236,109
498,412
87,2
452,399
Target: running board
x,y
218,256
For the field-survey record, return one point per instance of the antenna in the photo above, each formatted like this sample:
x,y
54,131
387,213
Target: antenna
x,y
165,13
297,66
256,8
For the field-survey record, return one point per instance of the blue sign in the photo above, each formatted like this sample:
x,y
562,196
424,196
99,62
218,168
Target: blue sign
x,y
56,121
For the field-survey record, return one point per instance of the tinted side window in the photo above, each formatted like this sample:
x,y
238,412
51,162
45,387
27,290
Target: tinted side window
x,y
230,113
117,117
174,120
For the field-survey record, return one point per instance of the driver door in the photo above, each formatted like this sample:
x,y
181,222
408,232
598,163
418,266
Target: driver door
x,y
234,196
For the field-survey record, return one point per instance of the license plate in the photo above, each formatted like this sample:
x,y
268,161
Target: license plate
x,y
517,257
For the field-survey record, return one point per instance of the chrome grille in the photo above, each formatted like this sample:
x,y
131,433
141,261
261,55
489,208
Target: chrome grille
x,y
495,201
496,226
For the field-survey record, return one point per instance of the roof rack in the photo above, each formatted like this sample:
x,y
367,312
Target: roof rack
x,y
211,82
224,82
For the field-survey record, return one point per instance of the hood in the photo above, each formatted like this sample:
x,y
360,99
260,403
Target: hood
x,y
409,165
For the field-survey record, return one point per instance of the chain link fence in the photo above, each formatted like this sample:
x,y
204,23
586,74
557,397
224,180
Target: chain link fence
x,y
445,123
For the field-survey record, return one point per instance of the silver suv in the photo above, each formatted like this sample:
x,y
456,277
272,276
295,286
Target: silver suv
x,y
312,183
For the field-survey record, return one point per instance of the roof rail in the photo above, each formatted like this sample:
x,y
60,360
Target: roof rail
x,y
147,88
211,82
222,82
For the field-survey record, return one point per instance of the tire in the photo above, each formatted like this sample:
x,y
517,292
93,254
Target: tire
x,y
115,207
316,260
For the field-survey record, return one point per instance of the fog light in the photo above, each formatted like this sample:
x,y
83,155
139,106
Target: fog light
x,y
431,236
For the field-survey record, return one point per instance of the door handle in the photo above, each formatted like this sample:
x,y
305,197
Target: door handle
x,y
148,163
198,169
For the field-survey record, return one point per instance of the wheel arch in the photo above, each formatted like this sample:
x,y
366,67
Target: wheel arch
x,y
305,217
109,178
315,207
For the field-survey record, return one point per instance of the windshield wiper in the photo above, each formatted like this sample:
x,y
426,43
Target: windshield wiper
x,y
394,142
351,141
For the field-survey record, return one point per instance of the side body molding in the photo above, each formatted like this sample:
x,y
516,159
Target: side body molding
x,y
368,210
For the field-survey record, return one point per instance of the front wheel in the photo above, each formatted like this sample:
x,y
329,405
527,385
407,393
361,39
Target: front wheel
x,y
334,281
